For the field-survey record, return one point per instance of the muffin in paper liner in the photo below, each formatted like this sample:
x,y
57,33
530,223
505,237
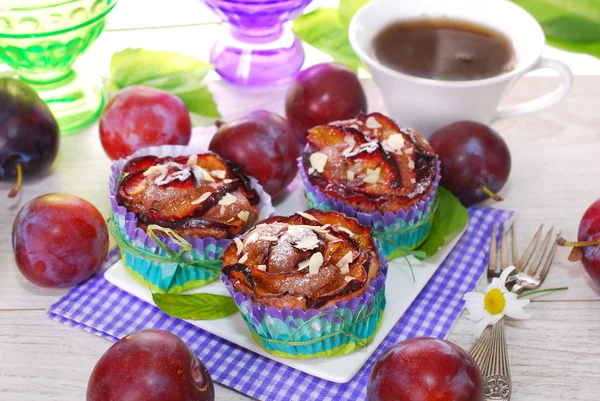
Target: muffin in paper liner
x,y
144,259
284,325
406,229
334,331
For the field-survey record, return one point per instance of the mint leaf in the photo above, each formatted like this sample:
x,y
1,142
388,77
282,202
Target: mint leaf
x,y
570,25
179,74
324,30
449,220
195,306
348,8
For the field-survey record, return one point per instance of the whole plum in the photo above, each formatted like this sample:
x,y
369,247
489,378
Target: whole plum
x,y
425,369
150,365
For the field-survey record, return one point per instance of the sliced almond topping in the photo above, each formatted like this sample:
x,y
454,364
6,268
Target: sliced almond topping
x,y
372,123
395,141
304,264
308,243
227,181
207,176
222,211
227,200
230,220
192,160
408,151
239,245
262,268
220,174
344,229
411,164
161,179
271,238
348,278
350,140
153,169
356,168
202,198
355,127
345,270
243,215
372,175
350,175
318,161
413,181
243,259
311,170
307,216
345,261
315,263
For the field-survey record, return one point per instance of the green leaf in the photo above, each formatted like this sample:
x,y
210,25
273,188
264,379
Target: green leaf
x,y
570,25
179,74
348,8
195,306
449,220
324,30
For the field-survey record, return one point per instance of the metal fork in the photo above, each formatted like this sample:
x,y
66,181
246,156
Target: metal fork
x,y
490,351
520,280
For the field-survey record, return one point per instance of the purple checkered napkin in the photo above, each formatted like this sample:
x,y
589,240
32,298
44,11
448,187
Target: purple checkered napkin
x,y
102,309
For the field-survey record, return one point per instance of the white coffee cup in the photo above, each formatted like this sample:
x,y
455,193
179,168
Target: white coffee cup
x,y
427,104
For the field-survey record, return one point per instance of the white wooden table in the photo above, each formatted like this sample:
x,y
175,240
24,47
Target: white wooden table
x,y
554,178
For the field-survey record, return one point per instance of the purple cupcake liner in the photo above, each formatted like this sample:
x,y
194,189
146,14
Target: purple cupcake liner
x,y
414,213
127,221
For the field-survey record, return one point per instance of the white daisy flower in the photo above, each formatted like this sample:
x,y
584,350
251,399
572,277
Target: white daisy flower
x,y
497,302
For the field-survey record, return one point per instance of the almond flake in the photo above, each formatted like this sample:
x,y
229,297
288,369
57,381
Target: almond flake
x,y
153,169
372,123
307,243
413,181
222,211
192,160
318,161
348,278
395,141
347,151
411,164
354,126
307,216
262,268
227,200
408,151
345,270
220,174
239,245
350,140
356,168
271,238
372,175
344,229
304,264
207,176
161,179
243,259
243,215
315,263
227,181
350,175
202,198
345,260
231,220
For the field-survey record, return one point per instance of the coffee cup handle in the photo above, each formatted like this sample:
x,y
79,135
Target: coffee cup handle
x,y
547,100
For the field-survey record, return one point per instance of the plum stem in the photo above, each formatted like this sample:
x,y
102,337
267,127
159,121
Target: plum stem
x,y
489,193
15,191
563,242
218,123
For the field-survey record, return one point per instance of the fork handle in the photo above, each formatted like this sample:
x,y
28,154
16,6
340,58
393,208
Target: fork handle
x,y
491,355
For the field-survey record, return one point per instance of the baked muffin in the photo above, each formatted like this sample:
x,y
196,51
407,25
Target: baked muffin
x,y
175,210
372,169
199,195
287,271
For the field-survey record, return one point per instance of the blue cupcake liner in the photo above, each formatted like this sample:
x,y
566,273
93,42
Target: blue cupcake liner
x,y
299,334
137,248
406,229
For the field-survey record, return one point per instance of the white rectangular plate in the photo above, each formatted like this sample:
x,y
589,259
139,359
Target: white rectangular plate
x,y
400,293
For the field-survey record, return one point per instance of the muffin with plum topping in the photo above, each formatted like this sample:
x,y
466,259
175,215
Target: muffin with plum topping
x,y
372,169
174,212
320,271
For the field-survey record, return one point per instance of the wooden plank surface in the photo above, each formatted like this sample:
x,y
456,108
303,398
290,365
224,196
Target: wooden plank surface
x,y
553,180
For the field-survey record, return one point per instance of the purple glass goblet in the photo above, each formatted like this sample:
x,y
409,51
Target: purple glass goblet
x,y
258,50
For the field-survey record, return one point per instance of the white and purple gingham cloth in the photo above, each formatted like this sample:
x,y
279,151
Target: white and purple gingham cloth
x,y
102,309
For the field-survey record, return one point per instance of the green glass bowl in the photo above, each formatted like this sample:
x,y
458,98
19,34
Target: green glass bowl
x,y
41,39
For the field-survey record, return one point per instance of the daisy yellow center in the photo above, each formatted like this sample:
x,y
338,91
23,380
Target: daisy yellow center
x,y
494,301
